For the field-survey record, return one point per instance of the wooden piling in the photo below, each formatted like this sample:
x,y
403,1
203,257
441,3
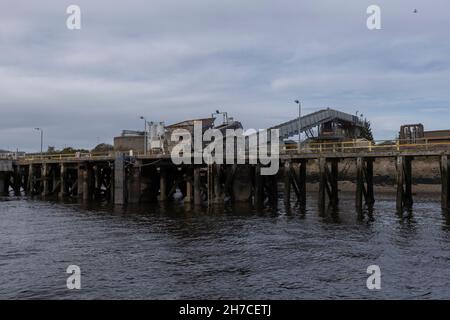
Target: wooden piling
x,y
44,179
3,184
334,200
62,186
258,187
287,182
445,182
162,184
134,186
408,198
359,184
210,183
400,183
302,182
86,183
17,181
218,192
30,179
80,180
369,180
119,180
197,187
322,183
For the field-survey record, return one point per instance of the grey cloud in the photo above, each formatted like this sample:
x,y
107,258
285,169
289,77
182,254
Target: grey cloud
x,y
170,60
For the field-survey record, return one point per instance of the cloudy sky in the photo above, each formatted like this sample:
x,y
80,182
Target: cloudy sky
x,y
171,60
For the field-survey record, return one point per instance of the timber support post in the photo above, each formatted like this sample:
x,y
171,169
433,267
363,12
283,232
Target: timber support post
x,y
44,179
134,183
258,187
287,182
119,180
188,177
197,187
162,184
364,183
210,181
302,182
62,192
445,182
404,181
328,184
3,183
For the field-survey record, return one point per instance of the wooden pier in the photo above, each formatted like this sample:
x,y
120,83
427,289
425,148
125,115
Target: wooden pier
x,y
123,179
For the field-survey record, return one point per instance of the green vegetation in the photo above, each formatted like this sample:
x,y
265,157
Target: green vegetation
x,y
366,131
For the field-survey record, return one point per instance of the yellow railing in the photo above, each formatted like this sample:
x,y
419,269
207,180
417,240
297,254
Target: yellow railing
x,y
368,146
323,147
66,156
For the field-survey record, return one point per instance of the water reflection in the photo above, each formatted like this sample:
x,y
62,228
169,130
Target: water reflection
x,y
173,250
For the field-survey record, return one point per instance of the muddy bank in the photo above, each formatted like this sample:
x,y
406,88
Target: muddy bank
x,y
348,186
425,172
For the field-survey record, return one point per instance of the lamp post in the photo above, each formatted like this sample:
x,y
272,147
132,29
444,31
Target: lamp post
x,y
42,138
145,135
299,123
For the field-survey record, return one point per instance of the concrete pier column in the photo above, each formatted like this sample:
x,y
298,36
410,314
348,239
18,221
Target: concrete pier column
x,y
445,182
197,185
119,180
134,189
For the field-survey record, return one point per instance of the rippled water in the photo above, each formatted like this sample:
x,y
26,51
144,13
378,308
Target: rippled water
x,y
174,252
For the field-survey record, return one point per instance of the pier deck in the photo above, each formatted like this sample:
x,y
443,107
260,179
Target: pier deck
x,y
125,179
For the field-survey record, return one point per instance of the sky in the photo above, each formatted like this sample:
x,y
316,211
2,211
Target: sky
x,y
172,60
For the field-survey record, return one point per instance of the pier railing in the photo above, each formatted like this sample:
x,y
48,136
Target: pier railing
x,y
356,146
65,156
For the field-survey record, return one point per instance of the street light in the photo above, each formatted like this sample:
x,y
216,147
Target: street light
x,y
145,135
42,138
299,122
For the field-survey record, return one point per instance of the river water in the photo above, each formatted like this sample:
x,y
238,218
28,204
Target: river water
x,y
172,251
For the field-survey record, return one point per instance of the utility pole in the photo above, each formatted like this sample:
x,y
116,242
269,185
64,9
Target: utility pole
x,y
299,123
42,139
145,135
